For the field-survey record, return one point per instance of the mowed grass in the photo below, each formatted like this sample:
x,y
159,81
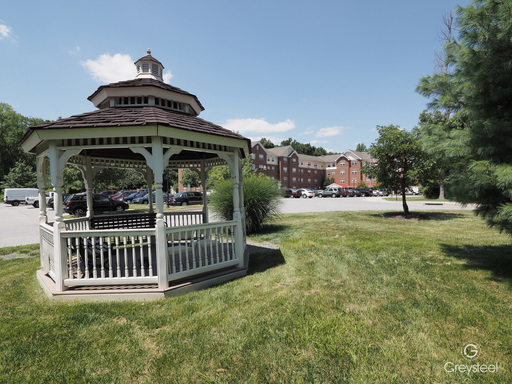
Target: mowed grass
x,y
356,297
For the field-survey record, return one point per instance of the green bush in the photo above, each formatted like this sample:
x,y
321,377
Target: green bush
x,y
261,200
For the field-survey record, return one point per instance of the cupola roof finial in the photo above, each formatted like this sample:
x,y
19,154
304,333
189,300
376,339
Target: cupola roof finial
x,y
149,52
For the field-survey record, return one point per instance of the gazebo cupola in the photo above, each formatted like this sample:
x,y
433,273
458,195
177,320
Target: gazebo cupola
x,y
149,68
147,89
149,126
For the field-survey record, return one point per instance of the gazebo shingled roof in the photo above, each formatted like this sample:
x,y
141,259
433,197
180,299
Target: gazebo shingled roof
x,y
145,82
143,116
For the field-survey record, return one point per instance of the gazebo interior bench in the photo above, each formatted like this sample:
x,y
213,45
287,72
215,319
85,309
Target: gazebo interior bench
x,y
136,220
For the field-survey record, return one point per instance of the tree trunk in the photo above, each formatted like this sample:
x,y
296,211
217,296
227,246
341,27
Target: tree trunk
x,y
441,185
404,201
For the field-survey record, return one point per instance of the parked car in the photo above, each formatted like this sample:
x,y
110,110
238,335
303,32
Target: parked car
x,y
144,199
186,198
289,192
306,193
129,199
318,192
77,204
351,192
109,192
334,192
34,200
365,191
65,199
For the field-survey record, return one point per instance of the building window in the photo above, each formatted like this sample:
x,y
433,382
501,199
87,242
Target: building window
x,y
285,169
294,160
354,181
294,170
253,156
261,157
342,172
354,162
354,171
342,163
342,181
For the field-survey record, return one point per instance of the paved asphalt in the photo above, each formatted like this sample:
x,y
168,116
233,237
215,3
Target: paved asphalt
x,y
19,225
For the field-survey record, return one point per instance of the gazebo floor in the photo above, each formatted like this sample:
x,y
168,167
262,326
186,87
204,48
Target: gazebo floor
x,y
142,292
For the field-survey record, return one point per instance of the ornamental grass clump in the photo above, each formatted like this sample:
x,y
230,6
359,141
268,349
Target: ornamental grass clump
x,y
261,200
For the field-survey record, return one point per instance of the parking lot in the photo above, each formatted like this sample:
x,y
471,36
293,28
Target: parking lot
x,y
19,225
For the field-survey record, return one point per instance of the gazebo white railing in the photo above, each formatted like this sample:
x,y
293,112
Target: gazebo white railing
x,y
100,257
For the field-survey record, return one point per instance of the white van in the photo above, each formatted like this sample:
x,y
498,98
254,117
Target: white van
x,y
15,196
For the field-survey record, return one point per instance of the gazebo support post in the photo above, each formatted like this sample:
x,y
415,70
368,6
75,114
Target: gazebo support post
x,y
235,167
162,256
41,184
203,176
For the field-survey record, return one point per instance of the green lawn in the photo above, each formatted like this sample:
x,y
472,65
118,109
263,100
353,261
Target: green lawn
x,y
357,297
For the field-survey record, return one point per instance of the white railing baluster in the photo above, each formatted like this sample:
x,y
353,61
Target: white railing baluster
x,y
118,251
141,257
109,244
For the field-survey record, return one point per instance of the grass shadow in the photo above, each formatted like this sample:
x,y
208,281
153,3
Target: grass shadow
x,y
271,228
419,216
495,259
262,258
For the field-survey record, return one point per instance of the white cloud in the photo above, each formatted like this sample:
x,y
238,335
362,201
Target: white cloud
x,y
330,131
167,76
110,69
5,31
258,126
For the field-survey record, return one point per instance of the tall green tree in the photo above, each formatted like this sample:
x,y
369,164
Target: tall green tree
x,y
361,147
399,160
445,90
12,128
483,58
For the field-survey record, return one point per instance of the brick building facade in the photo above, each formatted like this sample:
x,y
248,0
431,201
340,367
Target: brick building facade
x,y
294,170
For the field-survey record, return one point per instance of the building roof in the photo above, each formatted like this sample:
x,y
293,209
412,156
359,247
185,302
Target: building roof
x,y
148,57
281,151
139,116
145,82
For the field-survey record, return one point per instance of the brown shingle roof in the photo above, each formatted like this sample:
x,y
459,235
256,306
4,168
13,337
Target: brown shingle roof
x,y
140,116
145,82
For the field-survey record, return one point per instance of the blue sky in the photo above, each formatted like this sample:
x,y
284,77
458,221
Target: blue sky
x,y
325,72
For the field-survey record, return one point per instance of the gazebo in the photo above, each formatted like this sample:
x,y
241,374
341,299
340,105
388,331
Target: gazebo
x,y
149,126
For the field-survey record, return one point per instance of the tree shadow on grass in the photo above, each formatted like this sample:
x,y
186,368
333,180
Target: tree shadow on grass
x,y
419,216
497,259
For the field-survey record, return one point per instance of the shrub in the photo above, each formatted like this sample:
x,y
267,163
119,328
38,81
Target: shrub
x,y
261,200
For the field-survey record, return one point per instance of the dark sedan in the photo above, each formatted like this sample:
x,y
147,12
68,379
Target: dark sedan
x,y
186,198
77,205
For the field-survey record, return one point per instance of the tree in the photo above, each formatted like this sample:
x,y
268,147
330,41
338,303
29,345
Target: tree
x,y
445,90
190,178
361,147
221,173
267,143
12,128
399,159
328,181
483,58
22,175
304,149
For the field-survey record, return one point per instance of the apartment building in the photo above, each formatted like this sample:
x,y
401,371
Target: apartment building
x,y
294,170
